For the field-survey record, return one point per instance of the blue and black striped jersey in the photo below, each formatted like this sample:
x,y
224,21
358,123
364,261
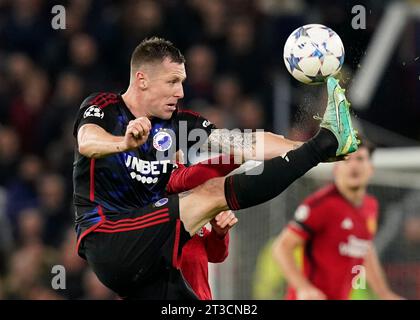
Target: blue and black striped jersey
x,y
128,180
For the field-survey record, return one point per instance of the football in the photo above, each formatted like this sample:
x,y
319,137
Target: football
x,y
312,53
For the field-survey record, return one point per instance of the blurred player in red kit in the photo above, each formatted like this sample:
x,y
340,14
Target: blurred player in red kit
x,y
335,226
205,246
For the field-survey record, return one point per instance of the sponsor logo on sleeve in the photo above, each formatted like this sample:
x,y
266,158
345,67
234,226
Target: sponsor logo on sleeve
x,y
302,213
206,123
161,202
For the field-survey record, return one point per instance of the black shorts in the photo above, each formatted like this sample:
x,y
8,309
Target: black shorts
x,y
137,254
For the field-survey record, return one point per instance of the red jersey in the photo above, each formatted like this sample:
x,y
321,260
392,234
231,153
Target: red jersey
x,y
205,246
338,235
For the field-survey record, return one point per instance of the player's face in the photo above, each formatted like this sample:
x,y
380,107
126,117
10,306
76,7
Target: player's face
x,y
164,88
356,171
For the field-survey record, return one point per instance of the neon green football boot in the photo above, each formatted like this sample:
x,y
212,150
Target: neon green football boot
x,y
337,119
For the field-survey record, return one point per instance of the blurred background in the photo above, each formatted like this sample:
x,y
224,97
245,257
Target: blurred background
x,y
237,79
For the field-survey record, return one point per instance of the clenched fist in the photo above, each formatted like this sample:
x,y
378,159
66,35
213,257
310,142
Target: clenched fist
x,y
137,132
223,222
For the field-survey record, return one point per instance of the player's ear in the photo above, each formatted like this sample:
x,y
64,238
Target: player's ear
x,y
141,80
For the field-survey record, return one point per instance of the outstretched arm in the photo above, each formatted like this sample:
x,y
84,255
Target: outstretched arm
x,y
283,251
376,276
95,142
217,241
250,145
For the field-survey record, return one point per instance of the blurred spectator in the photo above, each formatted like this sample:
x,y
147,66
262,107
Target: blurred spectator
x,y
54,208
278,20
250,114
26,110
85,62
30,227
9,154
42,292
138,20
227,92
83,51
64,104
279,8
5,90
21,192
406,247
212,113
214,16
18,67
29,266
55,52
200,71
6,236
409,248
26,27
142,19
74,266
59,156
400,243
242,55
183,22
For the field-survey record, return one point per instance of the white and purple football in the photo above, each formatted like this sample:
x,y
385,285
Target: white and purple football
x,y
312,53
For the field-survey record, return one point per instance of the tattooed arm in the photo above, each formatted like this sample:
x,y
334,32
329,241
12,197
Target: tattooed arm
x,y
250,145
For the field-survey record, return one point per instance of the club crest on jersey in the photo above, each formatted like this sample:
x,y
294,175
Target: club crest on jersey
x,y
347,224
162,141
302,213
93,111
161,202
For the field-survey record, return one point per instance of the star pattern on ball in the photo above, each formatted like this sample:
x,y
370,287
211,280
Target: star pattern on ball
x,y
293,62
